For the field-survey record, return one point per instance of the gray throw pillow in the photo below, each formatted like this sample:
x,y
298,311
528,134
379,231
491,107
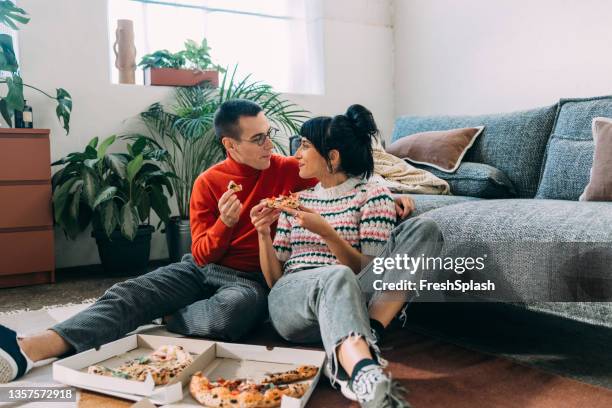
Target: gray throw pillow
x,y
477,180
600,184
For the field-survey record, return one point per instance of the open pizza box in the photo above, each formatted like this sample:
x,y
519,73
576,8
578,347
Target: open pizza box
x,y
214,359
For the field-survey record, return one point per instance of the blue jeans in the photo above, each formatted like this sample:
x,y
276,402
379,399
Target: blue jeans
x,y
329,304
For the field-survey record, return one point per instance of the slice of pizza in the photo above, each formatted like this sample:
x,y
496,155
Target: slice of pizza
x,y
303,372
235,187
290,201
163,364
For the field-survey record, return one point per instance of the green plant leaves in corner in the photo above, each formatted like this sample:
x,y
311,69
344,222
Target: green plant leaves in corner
x,y
8,60
129,221
11,14
64,108
14,98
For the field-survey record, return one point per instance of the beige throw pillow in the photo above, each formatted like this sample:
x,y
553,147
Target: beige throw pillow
x,y
600,185
442,149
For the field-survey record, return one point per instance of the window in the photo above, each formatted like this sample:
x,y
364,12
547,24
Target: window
x,y
279,42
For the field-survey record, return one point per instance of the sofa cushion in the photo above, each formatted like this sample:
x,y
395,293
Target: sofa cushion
x,y
512,142
427,202
477,180
442,150
535,250
569,154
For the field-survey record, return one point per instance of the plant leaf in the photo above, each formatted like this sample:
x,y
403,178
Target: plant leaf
x,y
105,144
90,186
64,108
14,98
11,14
8,60
109,217
129,221
117,163
134,166
5,113
61,196
104,195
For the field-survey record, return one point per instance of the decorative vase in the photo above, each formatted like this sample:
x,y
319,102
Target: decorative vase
x,y
125,52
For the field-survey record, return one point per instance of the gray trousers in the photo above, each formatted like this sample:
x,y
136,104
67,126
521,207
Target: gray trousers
x,y
329,304
211,301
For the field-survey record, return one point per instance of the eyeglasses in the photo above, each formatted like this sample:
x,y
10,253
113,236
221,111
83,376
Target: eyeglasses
x,y
261,138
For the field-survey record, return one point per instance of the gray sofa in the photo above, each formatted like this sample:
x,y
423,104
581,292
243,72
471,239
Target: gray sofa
x,y
516,199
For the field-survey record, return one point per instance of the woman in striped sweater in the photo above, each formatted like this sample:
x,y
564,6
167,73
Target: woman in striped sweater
x,y
312,265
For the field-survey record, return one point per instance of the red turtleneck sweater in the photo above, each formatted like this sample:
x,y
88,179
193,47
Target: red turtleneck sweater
x,y
236,247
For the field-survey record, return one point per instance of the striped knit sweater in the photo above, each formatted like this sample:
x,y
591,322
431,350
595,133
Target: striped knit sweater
x,y
362,213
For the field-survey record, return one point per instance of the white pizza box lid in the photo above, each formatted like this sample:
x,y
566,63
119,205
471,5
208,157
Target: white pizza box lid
x,y
215,359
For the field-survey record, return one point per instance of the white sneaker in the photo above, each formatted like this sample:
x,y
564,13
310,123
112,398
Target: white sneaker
x,y
343,384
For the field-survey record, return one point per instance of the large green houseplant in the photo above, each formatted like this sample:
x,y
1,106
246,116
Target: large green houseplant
x,y
115,192
185,130
10,16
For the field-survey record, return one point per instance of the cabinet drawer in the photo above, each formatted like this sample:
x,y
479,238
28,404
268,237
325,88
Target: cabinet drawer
x,y
24,158
22,252
25,206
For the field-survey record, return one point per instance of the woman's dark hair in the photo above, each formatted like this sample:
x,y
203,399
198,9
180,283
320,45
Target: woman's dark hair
x,y
351,134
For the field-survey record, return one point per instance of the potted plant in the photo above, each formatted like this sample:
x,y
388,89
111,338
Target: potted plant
x,y
188,67
114,192
13,101
185,130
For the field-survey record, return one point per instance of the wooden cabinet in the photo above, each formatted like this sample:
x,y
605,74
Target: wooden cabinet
x,y
26,218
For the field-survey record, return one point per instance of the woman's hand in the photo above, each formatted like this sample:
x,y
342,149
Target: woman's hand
x,y
404,205
262,217
311,220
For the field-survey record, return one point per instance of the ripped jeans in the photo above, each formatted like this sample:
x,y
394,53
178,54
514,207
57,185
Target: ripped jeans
x,y
329,303
322,304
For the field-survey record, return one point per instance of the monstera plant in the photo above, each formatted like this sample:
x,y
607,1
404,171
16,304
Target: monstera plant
x,y
115,192
10,16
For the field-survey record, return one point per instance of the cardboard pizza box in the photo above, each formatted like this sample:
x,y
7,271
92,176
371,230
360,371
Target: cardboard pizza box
x,y
214,359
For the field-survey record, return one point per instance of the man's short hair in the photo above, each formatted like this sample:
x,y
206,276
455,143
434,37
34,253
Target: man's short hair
x,y
228,115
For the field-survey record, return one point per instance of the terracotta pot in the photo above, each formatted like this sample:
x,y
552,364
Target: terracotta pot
x,y
179,77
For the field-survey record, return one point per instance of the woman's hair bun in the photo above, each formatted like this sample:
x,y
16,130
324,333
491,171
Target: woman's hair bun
x,y
362,119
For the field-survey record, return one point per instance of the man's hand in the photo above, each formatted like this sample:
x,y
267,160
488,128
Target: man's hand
x,y
229,207
404,205
262,217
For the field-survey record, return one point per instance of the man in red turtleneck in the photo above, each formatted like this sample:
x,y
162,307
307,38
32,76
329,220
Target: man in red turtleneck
x,y
217,291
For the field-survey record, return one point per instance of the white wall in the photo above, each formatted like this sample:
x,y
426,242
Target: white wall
x,y
479,56
66,45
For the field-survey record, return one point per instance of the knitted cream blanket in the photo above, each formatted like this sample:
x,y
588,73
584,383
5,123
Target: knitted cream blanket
x,y
400,177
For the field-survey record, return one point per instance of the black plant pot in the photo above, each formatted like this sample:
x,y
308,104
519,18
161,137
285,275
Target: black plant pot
x,y
178,238
120,256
